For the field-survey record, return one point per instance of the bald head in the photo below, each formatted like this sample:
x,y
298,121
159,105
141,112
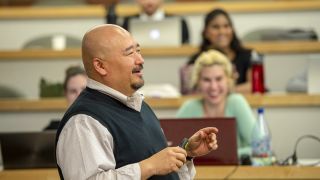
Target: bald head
x,y
99,43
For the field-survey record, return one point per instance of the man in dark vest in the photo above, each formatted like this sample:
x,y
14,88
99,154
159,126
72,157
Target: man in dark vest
x,y
109,132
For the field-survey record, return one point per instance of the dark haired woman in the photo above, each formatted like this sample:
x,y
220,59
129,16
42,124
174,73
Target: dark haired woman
x,y
219,34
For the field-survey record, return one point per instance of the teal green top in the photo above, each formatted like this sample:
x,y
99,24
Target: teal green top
x,y
236,106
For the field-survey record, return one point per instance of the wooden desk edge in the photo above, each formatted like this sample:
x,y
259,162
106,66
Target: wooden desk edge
x,y
276,47
59,104
203,172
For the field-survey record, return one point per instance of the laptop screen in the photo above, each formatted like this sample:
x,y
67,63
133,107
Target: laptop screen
x,y
23,150
226,154
162,33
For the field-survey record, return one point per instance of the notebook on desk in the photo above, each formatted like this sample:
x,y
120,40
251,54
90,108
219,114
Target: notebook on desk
x,y
23,150
226,154
162,33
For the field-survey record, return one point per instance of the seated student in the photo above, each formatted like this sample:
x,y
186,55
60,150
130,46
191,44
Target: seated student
x,y
212,78
151,10
218,33
75,81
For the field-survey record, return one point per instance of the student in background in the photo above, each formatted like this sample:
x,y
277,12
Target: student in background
x,y
218,33
212,78
75,81
151,10
109,132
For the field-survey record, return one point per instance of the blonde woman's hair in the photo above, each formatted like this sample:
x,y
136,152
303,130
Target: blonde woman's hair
x,y
210,58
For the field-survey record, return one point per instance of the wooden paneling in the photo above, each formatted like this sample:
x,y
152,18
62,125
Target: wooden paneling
x,y
98,11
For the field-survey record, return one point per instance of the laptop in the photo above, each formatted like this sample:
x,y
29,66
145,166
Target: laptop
x,y
23,150
162,33
226,154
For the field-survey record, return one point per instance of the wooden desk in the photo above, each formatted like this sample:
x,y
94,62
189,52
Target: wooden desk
x,y
30,174
267,100
248,172
281,47
203,172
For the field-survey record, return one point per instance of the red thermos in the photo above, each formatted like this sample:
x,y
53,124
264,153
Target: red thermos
x,y
257,73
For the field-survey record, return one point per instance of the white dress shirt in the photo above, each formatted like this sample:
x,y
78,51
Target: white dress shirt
x,y
156,16
85,147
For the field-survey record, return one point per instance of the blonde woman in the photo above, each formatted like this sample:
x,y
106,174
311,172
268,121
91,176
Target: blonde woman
x,y
212,77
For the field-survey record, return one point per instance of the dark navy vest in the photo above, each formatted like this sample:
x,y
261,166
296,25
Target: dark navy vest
x,y
136,135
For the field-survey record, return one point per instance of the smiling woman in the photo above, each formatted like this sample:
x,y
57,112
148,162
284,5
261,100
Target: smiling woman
x,y
212,78
219,34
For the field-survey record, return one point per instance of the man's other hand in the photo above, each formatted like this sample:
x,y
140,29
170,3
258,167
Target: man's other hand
x,y
202,142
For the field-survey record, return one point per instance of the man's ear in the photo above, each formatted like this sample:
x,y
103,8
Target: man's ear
x,y
100,67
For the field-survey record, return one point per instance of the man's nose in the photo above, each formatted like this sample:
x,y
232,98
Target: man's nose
x,y
139,59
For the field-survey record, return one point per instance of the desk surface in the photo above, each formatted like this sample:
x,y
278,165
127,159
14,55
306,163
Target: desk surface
x,y
248,172
266,100
203,172
281,47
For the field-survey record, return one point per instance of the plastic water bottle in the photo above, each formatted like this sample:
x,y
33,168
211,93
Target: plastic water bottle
x,y
261,142
257,73
1,161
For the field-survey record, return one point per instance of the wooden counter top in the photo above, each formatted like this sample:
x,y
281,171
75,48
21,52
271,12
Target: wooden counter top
x,y
182,8
250,173
263,47
268,100
203,173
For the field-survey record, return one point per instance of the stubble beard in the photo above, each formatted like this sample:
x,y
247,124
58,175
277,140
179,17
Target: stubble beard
x,y
137,85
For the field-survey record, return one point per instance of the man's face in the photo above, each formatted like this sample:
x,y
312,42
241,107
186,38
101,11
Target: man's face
x,y
126,64
149,6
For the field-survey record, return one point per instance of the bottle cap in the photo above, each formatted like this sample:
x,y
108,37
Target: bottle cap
x,y
256,57
260,110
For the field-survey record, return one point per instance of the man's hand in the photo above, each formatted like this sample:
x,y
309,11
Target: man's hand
x,y
202,142
164,162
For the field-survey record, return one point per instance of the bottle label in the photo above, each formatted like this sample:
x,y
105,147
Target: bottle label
x,y
261,147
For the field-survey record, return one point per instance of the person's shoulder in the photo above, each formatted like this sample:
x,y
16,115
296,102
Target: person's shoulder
x,y
126,20
245,53
190,108
237,104
191,105
236,98
131,16
192,102
182,18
